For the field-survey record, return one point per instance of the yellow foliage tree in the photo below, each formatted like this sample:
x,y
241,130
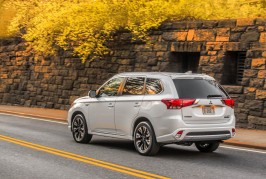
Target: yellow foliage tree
x,y
83,26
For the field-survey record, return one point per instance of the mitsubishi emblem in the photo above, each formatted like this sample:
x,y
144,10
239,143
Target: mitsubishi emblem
x,y
210,102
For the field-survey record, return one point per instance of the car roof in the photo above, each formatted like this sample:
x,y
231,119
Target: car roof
x,y
169,74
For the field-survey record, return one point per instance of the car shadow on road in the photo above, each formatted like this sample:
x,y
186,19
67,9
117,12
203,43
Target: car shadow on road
x,y
114,144
168,151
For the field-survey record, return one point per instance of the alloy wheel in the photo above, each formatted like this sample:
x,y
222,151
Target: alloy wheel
x,y
78,128
143,139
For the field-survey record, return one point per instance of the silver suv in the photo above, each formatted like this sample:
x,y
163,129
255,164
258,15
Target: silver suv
x,y
154,109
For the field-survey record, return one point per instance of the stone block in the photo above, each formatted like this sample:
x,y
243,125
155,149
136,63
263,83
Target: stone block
x,y
260,21
255,113
261,94
231,46
4,76
212,53
251,36
67,85
233,89
152,61
213,59
163,46
181,36
256,120
227,23
222,39
234,37
255,82
190,35
125,61
209,24
179,25
194,24
241,117
170,36
204,60
262,37
245,22
250,73
249,90
256,105
261,28
258,63
204,35
223,32
262,74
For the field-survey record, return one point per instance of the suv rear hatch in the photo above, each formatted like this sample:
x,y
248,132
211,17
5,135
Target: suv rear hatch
x,y
212,104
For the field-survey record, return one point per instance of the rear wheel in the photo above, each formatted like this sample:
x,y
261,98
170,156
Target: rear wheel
x,y
80,129
145,140
207,147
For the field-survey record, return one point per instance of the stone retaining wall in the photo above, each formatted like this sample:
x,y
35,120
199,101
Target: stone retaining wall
x,y
201,46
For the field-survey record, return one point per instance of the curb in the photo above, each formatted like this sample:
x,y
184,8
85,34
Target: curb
x,y
34,116
245,145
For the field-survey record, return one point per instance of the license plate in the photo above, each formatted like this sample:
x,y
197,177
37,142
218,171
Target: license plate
x,y
208,110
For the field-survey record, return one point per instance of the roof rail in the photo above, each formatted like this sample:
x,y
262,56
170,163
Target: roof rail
x,y
189,72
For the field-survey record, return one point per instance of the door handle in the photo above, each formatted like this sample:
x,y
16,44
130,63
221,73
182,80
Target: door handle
x,y
137,105
110,105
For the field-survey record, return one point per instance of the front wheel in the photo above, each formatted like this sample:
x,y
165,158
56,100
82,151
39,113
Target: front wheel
x,y
207,147
145,140
80,129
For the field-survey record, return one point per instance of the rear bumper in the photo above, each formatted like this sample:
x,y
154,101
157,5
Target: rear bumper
x,y
197,134
206,137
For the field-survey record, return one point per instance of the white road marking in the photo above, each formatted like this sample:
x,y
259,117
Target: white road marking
x,y
243,149
25,114
39,119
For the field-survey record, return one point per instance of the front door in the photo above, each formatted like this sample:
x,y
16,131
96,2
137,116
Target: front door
x,y
101,110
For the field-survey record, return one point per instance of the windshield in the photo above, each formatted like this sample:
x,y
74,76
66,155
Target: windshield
x,y
199,89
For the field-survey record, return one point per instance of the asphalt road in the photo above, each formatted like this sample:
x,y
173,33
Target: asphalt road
x,y
21,158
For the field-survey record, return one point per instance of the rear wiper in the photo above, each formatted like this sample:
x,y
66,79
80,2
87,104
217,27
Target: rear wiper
x,y
215,96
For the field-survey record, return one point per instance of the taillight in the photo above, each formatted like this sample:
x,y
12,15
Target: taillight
x,y
229,102
177,103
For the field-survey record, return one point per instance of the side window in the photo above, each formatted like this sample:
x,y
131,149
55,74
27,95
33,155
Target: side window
x,y
134,86
153,86
110,88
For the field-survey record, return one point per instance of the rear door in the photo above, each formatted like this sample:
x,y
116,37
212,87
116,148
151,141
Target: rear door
x,y
128,104
209,107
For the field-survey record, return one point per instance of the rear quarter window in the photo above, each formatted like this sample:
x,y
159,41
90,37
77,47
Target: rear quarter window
x,y
198,88
153,86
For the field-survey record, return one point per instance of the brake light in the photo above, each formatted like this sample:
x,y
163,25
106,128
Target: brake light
x,y
177,103
229,102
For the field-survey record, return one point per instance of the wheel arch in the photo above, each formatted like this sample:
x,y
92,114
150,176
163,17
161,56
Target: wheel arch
x,y
137,121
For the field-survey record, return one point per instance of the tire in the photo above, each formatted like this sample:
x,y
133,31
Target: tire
x,y
207,147
145,140
80,129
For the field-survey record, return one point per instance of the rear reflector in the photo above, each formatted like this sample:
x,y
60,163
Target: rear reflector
x,y
179,134
229,102
233,131
177,103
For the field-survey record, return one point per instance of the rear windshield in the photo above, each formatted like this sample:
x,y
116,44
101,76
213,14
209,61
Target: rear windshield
x,y
198,88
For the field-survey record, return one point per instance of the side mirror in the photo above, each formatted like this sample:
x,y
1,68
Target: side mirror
x,y
92,93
